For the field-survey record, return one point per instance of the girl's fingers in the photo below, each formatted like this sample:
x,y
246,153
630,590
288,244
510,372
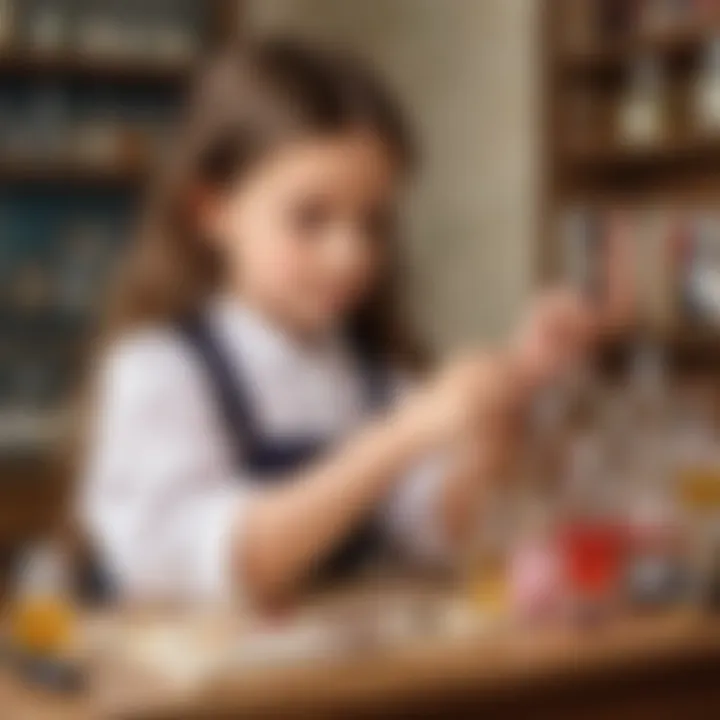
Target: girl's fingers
x,y
561,330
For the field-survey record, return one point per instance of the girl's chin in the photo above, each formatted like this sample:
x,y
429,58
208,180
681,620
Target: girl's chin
x,y
325,315
318,323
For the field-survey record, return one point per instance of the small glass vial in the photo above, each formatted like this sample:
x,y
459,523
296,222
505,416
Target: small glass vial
x,y
642,113
486,567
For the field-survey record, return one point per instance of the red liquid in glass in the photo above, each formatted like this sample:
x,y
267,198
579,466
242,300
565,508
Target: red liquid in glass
x,y
593,555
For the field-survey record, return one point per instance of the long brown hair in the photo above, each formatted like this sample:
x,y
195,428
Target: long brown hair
x,y
246,101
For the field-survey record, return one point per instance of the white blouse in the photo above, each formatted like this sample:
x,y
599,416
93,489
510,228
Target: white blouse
x,y
162,495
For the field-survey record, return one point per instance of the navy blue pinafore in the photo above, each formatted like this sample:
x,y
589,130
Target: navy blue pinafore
x,y
269,461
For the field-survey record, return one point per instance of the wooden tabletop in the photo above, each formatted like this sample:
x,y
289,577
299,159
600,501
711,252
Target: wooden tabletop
x,y
525,666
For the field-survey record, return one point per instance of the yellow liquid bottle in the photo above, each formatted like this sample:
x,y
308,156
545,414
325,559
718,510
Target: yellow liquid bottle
x,y
699,488
487,588
42,616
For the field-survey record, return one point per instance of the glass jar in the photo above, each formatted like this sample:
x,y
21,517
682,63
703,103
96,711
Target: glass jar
x,y
43,617
642,113
591,532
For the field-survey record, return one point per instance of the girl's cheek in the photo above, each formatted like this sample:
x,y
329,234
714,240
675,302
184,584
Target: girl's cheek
x,y
280,267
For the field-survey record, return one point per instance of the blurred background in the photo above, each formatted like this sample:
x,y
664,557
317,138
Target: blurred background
x,y
575,139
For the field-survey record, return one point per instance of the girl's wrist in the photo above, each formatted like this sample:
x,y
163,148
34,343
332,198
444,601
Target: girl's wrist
x,y
413,430
520,374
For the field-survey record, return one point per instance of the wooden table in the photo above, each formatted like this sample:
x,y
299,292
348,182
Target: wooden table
x,y
661,667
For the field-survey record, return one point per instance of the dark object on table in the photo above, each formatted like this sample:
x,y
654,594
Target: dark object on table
x,y
54,674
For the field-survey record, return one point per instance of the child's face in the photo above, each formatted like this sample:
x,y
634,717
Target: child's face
x,y
305,234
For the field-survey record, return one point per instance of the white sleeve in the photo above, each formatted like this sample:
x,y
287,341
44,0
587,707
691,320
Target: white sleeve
x,y
159,498
411,517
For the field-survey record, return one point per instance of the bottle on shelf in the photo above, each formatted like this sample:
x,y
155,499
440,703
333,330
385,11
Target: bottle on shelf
x,y
583,252
697,485
47,26
616,19
642,114
135,29
99,29
701,272
661,16
580,24
621,300
706,102
48,122
656,271
96,133
7,23
82,267
705,11
173,37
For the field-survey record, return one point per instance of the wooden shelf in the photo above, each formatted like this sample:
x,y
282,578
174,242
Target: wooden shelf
x,y
610,156
691,349
127,70
671,45
61,172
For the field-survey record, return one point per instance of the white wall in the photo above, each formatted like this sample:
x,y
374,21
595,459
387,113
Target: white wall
x,y
466,71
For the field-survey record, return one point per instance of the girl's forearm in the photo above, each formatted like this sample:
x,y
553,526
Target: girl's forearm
x,y
288,529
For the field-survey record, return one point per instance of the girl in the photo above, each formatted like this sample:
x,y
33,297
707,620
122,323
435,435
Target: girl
x,y
251,430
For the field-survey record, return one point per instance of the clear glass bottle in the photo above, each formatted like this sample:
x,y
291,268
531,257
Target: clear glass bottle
x,y
581,246
486,585
656,569
642,112
707,90
7,23
591,532
47,26
702,274
43,617
697,482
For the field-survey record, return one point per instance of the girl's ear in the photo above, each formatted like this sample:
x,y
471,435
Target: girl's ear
x,y
206,207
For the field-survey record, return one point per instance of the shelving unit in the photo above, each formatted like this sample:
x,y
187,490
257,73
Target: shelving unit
x,y
37,186
68,173
674,45
679,171
28,65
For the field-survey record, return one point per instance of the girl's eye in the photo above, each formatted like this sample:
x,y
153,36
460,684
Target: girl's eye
x,y
311,216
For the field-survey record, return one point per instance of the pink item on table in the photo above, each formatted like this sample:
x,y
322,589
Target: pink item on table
x,y
536,580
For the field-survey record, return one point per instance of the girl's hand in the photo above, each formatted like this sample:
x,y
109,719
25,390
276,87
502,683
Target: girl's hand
x,y
558,331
